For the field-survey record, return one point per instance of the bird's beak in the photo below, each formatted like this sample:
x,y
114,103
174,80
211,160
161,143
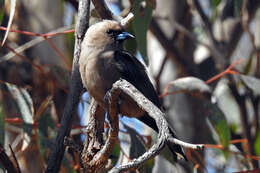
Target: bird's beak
x,y
123,36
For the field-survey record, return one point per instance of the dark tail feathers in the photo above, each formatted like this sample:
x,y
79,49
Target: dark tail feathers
x,y
176,150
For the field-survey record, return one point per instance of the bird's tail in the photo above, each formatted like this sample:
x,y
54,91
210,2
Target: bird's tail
x,y
176,150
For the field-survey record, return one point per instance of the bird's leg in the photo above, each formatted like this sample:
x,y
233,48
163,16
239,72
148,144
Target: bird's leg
x,y
107,99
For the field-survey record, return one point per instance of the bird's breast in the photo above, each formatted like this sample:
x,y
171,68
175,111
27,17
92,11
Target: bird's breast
x,y
101,74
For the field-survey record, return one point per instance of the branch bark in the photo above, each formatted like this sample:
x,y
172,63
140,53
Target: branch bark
x,y
241,100
164,135
102,9
76,87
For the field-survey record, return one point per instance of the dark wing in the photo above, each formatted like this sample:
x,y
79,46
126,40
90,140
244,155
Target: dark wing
x,y
134,72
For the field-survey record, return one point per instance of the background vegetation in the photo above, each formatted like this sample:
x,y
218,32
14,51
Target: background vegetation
x,y
216,41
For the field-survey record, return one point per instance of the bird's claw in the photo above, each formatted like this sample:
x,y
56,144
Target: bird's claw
x,y
109,122
107,97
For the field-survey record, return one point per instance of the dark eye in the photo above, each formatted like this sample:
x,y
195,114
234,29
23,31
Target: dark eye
x,y
110,32
113,33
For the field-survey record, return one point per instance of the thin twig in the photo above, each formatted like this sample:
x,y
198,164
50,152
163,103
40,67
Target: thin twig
x,y
102,9
241,100
172,50
217,54
205,20
15,159
153,111
185,144
245,24
158,76
32,43
36,66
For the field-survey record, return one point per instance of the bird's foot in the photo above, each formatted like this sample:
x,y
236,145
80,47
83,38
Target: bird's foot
x,y
109,121
107,98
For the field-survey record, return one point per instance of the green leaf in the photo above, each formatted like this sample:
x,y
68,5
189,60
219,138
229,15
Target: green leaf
x,y
44,141
257,143
24,102
2,10
45,126
24,105
116,153
249,64
215,3
130,44
143,14
219,122
238,6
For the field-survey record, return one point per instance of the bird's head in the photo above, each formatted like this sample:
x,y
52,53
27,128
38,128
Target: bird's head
x,y
107,33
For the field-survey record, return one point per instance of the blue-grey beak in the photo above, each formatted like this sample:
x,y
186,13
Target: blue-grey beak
x,y
123,36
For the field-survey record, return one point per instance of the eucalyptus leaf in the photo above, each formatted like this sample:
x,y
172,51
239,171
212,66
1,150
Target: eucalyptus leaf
x,y
2,10
219,122
143,13
252,83
215,3
24,105
189,85
257,143
11,17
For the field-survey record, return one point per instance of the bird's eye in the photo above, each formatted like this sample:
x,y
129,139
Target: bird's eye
x,y
110,32
113,33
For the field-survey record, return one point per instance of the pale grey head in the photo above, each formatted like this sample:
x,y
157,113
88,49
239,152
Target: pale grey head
x,y
106,34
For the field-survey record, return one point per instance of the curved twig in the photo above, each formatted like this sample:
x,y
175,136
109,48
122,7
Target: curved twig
x,y
164,134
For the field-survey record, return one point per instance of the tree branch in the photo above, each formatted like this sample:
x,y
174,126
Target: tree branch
x,y
219,57
15,159
171,49
205,20
6,162
76,87
164,135
94,135
241,100
102,9
100,159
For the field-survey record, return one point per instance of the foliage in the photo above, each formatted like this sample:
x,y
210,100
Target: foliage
x,y
33,94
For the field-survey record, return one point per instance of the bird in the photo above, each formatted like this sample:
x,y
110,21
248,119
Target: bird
x,y
103,61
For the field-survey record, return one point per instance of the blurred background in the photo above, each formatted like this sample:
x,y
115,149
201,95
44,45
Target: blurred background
x,y
175,39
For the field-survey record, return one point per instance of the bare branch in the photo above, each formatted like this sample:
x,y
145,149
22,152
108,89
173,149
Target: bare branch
x,y
76,87
164,134
15,159
94,136
102,9
30,44
171,49
186,145
205,20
